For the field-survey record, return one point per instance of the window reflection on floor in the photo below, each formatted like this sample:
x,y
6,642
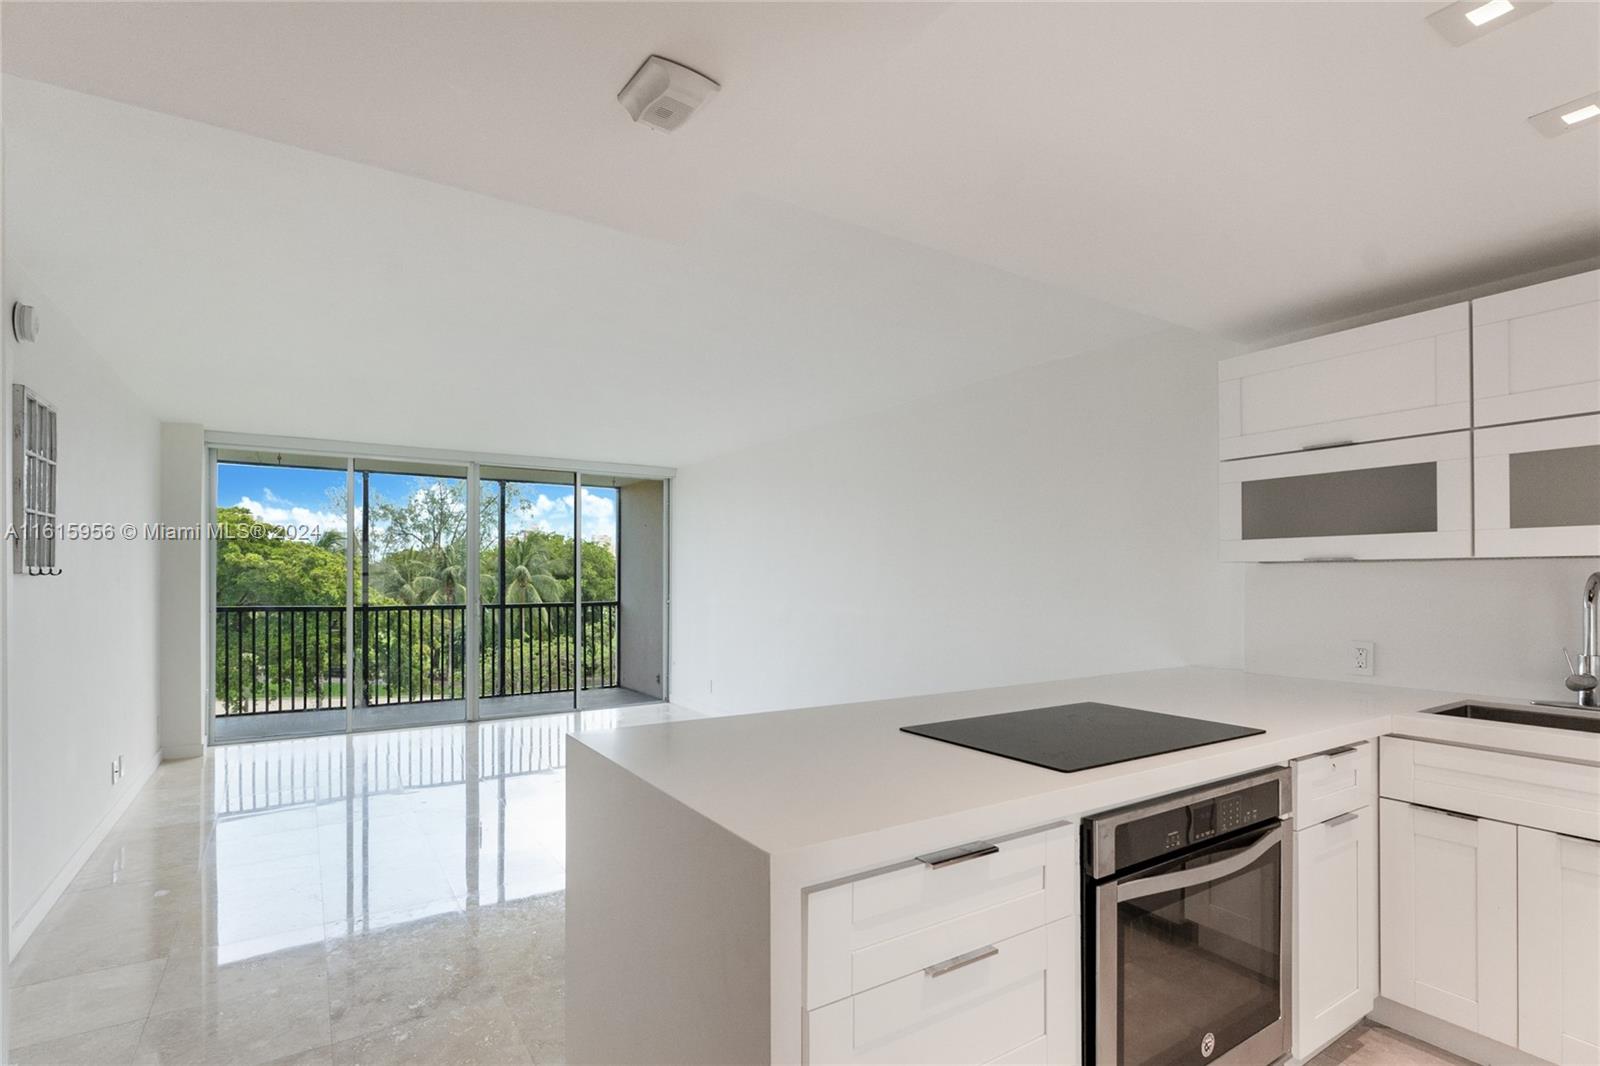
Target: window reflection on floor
x,y
325,837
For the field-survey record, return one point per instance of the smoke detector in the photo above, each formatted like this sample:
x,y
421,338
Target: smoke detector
x,y
663,94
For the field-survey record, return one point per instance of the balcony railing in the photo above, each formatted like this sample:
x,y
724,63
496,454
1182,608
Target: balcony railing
x,y
277,659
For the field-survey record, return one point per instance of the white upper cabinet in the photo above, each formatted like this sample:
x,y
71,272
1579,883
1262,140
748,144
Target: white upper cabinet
x,y
1558,944
1399,378
1536,488
1393,499
1536,351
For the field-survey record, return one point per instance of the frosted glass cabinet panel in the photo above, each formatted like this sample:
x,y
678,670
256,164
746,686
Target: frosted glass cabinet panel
x,y
1398,378
1537,488
1536,351
1400,499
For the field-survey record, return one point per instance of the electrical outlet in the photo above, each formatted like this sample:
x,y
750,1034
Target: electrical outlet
x,y
1362,658
116,769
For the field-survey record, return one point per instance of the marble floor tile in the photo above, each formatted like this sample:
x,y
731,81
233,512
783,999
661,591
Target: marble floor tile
x,y
274,1022
197,979
1370,1044
99,928
83,1002
115,1043
464,1034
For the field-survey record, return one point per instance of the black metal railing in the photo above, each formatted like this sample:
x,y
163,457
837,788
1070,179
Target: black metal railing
x,y
276,659
279,659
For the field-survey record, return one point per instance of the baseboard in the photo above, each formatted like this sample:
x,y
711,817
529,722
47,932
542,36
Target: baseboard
x,y
1452,1038
24,927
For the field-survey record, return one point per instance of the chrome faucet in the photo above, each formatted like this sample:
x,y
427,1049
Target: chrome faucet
x,y
1585,673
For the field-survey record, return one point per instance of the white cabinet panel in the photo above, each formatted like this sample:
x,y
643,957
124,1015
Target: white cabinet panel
x,y
1332,783
1537,488
1399,378
1536,351
1336,927
1563,797
864,932
1448,917
1558,939
1399,499
1017,1003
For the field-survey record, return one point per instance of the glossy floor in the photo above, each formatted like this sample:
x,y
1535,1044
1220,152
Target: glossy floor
x,y
385,897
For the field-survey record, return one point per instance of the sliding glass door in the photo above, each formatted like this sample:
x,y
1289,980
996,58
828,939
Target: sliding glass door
x,y
529,582
280,546
360,593
413,525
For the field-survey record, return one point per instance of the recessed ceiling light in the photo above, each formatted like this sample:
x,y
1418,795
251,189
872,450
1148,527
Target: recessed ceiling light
x,y
1583,114
1568,116
1467,20
1489,12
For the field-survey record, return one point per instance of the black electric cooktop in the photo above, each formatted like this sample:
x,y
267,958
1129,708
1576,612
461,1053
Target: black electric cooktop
x,y
1080,736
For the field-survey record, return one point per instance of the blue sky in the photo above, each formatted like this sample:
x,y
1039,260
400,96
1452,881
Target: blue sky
x,y
298,496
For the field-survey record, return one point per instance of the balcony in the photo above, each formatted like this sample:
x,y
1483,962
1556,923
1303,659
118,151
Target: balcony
x,y
290,660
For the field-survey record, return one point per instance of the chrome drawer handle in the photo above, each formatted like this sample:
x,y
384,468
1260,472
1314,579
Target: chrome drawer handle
x,y
939,969
1327,444
938,860
1343,818
1329,559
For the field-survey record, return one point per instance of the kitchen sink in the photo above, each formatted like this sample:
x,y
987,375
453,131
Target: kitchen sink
x,y
1584,721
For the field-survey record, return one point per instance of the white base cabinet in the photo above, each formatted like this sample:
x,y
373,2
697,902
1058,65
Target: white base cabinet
x,y
1558,940
968,955
1448,906
1336,923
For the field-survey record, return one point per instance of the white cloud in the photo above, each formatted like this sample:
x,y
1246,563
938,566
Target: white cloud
x,y
292,515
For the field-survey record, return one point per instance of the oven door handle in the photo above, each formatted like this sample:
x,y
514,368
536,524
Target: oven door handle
x,y
1216,871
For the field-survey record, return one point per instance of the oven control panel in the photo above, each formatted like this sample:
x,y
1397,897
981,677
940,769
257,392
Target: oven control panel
x,y
1183,825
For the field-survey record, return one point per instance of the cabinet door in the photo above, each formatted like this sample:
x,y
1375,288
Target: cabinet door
x,y
1399,378
1336,927
1558,940
1536,351
1448,916
1398,499
1538,488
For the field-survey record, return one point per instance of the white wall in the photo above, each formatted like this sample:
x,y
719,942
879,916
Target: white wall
x,y
1489,626
1056,522
185,612
82,652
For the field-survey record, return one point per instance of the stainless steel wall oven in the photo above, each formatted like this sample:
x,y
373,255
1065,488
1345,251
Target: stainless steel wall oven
x,y
1186,927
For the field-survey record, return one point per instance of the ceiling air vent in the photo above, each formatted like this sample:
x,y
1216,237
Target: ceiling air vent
x,y
663,94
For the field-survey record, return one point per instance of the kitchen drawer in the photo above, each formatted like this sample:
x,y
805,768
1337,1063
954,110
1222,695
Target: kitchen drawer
x,y
1562,797
1396,499
1333,783
1399,378
883,926
1016,1004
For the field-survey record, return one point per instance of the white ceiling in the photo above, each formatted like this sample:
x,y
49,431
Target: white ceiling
x,y
885,201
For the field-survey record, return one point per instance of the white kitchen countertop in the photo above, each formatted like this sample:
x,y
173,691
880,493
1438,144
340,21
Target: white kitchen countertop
x,y
832,790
